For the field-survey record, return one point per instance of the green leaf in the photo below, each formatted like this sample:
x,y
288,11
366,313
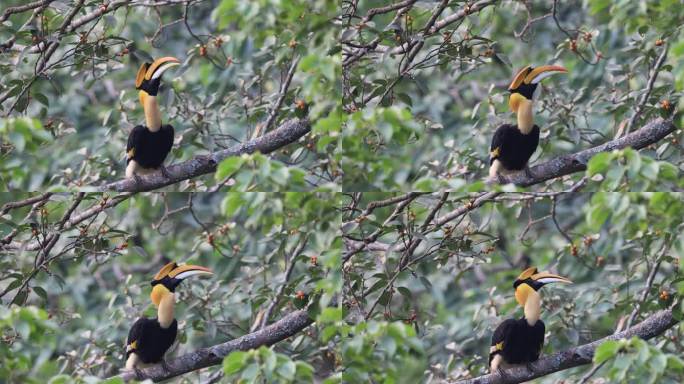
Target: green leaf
x,y
234,362
328,332
287,370
599,163
606,350
112,380
229,166
330,315
61,379
675,363
40,292
42,99
598,215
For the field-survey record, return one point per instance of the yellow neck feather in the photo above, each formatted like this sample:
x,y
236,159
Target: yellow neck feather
x,y
532,308
531,302
165,300
151,108
525,116
165,310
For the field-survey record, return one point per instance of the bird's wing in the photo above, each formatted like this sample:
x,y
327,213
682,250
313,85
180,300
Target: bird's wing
x,y
134,141
499,338
167,138
134,336
539,332
498,142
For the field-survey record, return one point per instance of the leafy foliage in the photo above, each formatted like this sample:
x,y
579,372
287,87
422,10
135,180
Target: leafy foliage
x,y
635,359
95,282
452,84
235,59
265,365
445,264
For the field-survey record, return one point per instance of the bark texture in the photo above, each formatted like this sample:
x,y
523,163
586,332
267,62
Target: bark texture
x,y
652,326
286,134
651,133
288,326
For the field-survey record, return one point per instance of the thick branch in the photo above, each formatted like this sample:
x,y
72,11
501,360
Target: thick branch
x,y
286,134
580,355
288,326
651,133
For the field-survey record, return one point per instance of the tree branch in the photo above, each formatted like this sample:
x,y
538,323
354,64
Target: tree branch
x,y
653,326
649,87
567,164
288,326
23,8
286,134
283,92
22,203
71,222
288,272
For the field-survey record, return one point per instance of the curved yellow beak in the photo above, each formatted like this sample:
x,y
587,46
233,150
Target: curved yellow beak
x,y
546,277
536,75
184,271
160,66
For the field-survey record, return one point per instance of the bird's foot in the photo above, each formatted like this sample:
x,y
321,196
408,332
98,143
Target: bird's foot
x,y
501,179
165,365
528,172
138,180
529,366
138,374
164,171
502,373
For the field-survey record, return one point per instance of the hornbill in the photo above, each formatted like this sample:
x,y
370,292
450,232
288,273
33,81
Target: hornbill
x,y
520,341
149,339
149,144
513,145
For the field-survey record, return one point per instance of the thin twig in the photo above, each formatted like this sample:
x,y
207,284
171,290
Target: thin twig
x,y
649,87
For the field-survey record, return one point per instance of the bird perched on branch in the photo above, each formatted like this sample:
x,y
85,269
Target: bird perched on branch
x,y
520,341
149,339
149,144
513,145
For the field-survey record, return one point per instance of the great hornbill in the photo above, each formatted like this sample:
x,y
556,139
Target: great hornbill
x,y
513,145
520,341
149,339
149,144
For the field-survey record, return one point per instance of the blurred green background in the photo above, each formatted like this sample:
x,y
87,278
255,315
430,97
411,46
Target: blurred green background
x,y
66,127
68,321
457,285
431,128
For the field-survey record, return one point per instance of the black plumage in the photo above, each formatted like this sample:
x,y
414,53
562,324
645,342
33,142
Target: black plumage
x,y
149,149
149,340
513,148
522,343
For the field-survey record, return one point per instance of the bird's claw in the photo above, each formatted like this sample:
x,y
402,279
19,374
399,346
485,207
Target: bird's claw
x,y
501,179
138,180
165,365
164,172
138,374
502,372
529,367
528,172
